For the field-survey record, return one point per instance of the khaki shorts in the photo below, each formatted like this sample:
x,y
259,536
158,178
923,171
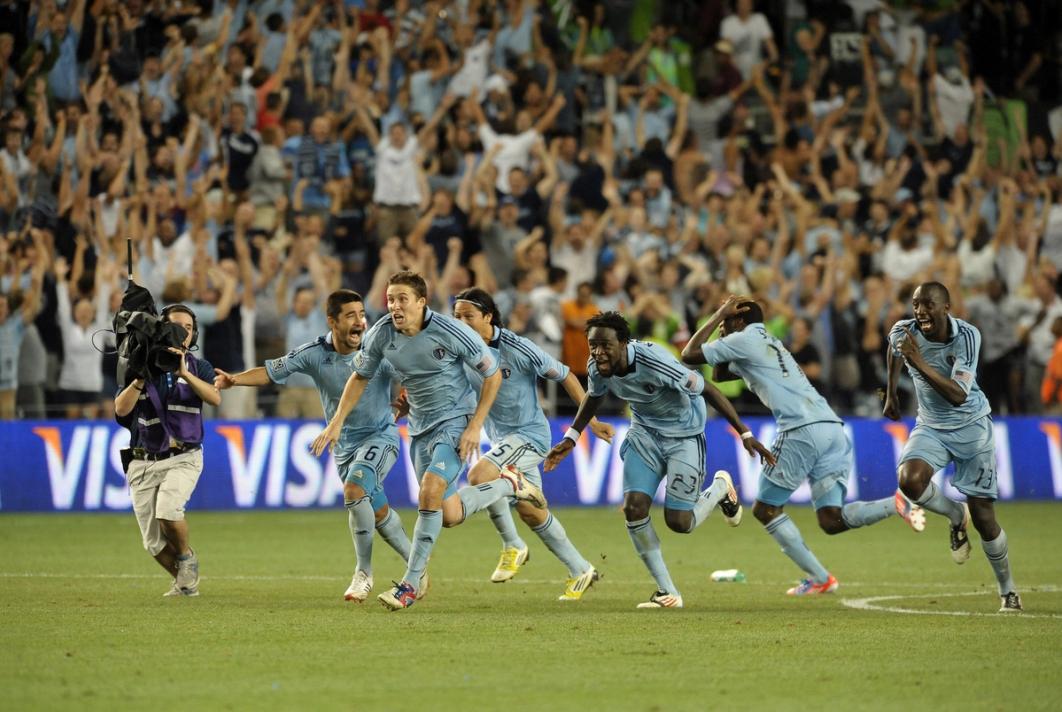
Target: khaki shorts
x,y
159,490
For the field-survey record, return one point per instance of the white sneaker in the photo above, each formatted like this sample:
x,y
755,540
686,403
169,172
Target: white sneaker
x,y
423,585
729,505
662,599
510,562
523,490
576,587
188,575
174,591
359,587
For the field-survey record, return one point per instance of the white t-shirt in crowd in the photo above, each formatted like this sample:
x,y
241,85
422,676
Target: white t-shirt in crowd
x,y
901,265
747,36
473,72
953,102
396,173
515,151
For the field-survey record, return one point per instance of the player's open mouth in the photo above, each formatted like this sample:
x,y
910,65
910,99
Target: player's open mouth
x,y
925,324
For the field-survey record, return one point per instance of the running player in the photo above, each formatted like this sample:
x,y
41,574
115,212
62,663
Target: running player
x,y
368,442
429,352
954,424
811,442
519,435
665,440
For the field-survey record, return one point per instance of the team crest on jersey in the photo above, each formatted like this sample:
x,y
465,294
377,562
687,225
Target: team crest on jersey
x,y
391,346
506,373
650,388
439,353
359,359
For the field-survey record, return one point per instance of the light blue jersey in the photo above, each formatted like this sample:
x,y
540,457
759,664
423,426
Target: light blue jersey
x,y
664,396
770,372
329,371
431,366
516,409
957,358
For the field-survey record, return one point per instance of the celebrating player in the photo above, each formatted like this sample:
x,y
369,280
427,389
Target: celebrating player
x,y
811,443
954,424
519,434
368,442
428,351
666,440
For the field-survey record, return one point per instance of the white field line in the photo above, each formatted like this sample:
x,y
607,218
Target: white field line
x,y
873,604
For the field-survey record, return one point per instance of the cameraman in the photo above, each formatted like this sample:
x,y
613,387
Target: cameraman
x,y
165,422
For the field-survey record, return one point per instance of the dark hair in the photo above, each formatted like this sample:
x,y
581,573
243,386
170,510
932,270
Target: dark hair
x,y
411,279
610,320
556,274
274,22
754,313
937,287
336,300
482,301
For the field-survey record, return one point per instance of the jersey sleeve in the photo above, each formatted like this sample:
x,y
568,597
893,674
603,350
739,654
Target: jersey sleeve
x,y
896,335
732,347
596,386
298,360
368,359
470,348
544,365
966,349
672,374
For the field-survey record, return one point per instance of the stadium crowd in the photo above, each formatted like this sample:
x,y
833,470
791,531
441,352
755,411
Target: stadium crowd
x,y
569,157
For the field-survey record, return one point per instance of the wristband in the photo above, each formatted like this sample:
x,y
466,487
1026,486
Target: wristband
x,y
572,434
747,435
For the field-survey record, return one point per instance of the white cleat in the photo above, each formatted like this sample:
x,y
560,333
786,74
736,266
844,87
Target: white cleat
x,y
960,541
360,587
1010,603
729,505
576,587
523,490
914,515
662,599
423,584
509,564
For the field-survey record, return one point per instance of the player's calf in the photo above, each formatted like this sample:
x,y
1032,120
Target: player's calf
x,y
831,521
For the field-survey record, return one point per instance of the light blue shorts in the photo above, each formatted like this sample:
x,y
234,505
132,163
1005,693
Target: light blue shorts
x,y
649,457
436,450
972,448
519,452
368,465
818,452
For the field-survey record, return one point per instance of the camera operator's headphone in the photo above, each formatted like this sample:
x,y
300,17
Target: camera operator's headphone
x,y
184,310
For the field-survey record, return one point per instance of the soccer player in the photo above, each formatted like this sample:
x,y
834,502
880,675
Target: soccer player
x,y
429,352
665,441
368,442
954,424
811,443
519,434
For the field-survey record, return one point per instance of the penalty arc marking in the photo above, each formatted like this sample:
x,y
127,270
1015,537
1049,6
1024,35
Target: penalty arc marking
x,y
880,603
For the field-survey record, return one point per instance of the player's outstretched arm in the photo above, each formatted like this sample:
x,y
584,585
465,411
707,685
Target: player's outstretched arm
x,y
254,377
351,395
892,401
946,386
692,354
725,408
587,409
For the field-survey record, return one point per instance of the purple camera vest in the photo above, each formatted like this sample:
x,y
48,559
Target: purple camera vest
x,y
180,418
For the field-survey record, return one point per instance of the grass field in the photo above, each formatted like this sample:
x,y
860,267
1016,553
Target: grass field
x,y
85,625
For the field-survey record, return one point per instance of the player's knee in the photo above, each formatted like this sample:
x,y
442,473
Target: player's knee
x,y
764,512
831,521
678,520
636,507
912,479
352,491
381,514
484,471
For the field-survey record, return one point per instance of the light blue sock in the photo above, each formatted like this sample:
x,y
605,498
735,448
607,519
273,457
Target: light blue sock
x,y
394,534
556,540
647,544
502,517
860,514
785,532
935,501
996,551
425,532
478,497
706,502
360,518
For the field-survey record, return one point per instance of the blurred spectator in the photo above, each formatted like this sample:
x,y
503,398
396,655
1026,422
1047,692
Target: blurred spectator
x,y
574,350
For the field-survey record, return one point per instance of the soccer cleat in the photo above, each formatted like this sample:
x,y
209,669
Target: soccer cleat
x,y
359,588
960,542
188,575
1010,603
510,562
174,591
523,490
662,599
579,585
914,515
400,596
807,587
729,505
423,585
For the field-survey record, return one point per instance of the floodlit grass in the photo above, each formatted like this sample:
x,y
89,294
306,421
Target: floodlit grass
x,y
85,625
